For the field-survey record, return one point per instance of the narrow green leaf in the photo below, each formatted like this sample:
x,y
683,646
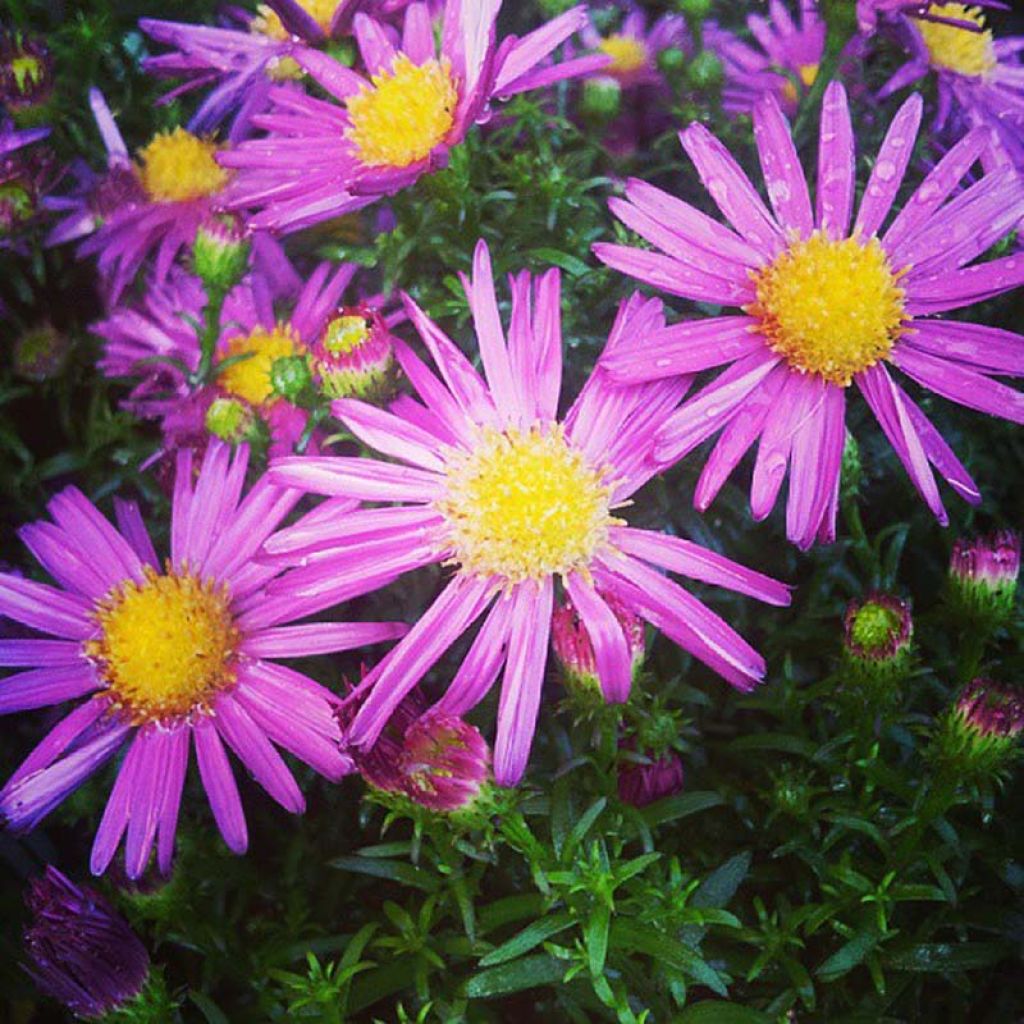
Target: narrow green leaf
x,y
209,1009
393,871
718,889
529,972
937,957
596,938
715,1012
529,938
672,808
847,956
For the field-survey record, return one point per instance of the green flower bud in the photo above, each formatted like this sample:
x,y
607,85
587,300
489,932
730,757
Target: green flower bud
x,y
230,419
220,255
706,72
602,99
671,61
40,353
290,377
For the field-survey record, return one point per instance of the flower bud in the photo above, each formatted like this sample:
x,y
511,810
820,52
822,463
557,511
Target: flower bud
x,y
983,576
706,72
230,419
80,950
220,254
290,377
877,638
355,356
602,99
40,353
575,652
979,734
671,61
26,76
643,779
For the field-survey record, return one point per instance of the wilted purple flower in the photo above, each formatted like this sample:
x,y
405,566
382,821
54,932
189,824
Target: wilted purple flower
x,y
26,74
81,951
644,779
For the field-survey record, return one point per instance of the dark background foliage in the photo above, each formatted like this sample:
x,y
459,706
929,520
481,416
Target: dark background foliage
x,y
802,871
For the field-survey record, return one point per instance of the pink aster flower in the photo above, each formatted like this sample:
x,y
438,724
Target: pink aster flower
x,y
980,79
152,206
240,60
871,12
164,656
381,132
491,483
783,62
633,49
824,303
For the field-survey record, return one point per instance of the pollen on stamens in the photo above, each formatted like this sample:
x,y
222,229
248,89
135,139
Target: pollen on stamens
x,y
833,308
177,166
248,375
962,50
404,115
166,646
628,54
525,504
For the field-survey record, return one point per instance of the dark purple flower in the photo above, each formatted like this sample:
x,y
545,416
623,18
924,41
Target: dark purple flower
x,y
80,950
645,779
27,173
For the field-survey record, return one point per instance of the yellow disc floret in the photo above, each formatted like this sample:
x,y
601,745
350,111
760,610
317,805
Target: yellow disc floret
x,y
404,114
524,504
267,23
345,334
250,377
166,646
958,49
628,54
178,165
831,308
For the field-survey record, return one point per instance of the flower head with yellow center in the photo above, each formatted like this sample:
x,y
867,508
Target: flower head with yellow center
x,y
166,646
831,308
404,114
252,355
954,48
268,23
177,166
628,54
525,504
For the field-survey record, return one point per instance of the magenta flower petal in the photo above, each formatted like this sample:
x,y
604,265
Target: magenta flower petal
x,y
612,654
221,788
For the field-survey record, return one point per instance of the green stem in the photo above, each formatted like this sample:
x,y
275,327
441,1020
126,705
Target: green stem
x,y
211,334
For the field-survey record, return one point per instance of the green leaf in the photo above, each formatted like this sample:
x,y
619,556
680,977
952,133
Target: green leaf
x,y
583,826
529,938
718,889
570,264
938,957
210,1010
715,1012
392,870
529,972
781,742
596,938
672,808
645,938
847,957
509,909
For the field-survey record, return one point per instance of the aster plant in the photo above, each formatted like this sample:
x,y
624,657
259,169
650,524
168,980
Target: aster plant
x,y
824,301
166,657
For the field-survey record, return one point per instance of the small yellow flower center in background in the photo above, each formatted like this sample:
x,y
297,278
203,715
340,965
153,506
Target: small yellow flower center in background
x,y
27,71
267,23
958,49
179,165
808,75
524,505
249,378
404,114
628,54
830,308
345,334
166,645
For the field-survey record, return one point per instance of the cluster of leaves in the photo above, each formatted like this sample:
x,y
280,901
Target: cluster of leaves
x,y
818,865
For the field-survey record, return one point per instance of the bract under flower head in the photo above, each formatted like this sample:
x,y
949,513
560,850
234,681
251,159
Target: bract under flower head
x,y
983,575
163,656
353,357
494,484
829,300
979,735
81,951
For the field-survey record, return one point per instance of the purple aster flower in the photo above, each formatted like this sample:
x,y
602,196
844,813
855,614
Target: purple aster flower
x,y
158,342
824,304
490,482
980,79
871,12
81,951
152,206
163,656
633,49
381,132
783,62
27,173
241,59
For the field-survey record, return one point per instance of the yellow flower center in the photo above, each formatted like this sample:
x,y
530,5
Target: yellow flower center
x,y
404,114
524,505
250,377
628,54
166,646
958,49
179,165
808,75
345,334
28,71
267,23
830,308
